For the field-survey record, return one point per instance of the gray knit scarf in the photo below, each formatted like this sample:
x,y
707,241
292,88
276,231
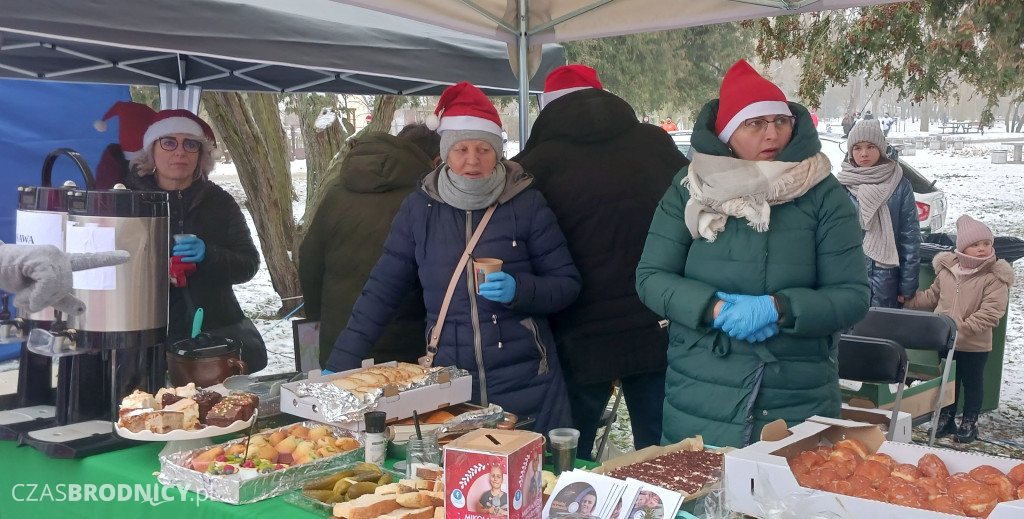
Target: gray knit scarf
x,y
470,194
872,186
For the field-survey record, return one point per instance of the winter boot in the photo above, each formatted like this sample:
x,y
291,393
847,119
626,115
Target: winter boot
x,y
968,431
947,423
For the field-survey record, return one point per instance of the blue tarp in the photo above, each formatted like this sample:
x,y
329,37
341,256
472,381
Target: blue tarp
x,y
37,117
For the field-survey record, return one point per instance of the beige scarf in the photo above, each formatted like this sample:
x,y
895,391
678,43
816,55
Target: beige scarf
x,y
721,187
872,186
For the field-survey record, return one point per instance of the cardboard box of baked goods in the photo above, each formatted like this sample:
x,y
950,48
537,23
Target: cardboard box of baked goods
x,y
494,472
397,404
758,477
648,453
882,418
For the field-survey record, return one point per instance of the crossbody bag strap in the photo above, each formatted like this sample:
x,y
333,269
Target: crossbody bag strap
x,y
435,334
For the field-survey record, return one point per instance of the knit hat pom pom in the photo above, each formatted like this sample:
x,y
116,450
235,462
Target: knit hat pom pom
x,y
433,122
101,126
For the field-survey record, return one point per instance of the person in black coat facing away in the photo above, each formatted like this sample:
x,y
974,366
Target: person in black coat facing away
x,y
177,157
603,174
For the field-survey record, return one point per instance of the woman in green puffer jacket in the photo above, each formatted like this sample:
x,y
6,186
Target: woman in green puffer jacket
x,y
754,256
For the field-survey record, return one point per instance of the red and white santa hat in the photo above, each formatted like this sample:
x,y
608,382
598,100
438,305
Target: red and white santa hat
x,y
166,122
744,95
465,113
566,80
133,119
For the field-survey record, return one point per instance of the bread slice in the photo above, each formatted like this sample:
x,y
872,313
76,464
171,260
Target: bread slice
x,y
420,499
430,473
439,512
416,484
426,512
390,488
366,506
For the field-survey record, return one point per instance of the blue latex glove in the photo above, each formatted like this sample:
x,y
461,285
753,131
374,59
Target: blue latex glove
x,y
768,331
326,372
747,315
499,287
191,249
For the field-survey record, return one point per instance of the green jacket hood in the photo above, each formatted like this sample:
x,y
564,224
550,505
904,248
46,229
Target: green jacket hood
x,y
802,145
381,162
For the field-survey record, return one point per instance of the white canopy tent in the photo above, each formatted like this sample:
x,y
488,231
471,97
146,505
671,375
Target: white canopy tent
x,y
533,22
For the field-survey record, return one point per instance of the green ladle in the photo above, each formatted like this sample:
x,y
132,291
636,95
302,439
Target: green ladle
x,y
197,323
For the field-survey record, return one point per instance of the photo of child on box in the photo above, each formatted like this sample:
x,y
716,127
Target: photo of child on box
x,y
495,500
576,500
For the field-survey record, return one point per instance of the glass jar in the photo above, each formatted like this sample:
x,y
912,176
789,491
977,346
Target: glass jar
x,y
423,452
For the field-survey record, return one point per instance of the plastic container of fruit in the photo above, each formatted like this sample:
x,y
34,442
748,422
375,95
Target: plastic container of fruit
x,y
306,498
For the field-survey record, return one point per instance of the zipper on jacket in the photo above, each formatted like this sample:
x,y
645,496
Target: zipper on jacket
x,y
474,314
532,326
494,319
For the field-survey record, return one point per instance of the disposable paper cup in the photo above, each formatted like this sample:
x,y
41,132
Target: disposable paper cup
x,y
482,267
562,443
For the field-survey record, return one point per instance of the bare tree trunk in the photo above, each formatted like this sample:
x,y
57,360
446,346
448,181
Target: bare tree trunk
x,y
383,114
321,144
250,125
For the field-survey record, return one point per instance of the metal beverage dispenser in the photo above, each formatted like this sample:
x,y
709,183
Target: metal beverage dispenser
x,y
116,345
41,218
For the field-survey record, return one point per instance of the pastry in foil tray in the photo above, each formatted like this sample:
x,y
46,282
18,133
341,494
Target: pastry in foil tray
x,y
373,378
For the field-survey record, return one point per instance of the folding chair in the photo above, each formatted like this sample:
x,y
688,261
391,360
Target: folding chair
x,y
877,361
914,330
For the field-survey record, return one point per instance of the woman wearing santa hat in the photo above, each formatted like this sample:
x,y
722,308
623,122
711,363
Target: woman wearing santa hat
x,y
755,258
212,247
499,334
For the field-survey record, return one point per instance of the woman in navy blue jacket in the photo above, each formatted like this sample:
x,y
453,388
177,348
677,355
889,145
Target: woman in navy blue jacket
x,y
501,336
887,213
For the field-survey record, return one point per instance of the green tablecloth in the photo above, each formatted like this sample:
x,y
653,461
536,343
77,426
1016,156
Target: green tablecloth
x,y
23,467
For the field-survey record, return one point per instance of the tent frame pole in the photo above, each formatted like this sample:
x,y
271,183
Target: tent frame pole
x,y
523,39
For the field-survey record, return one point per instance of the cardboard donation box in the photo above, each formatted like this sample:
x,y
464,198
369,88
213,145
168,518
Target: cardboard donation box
x,y
493,472
758,478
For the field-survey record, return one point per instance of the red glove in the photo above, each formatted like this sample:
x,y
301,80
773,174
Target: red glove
x,y
180,271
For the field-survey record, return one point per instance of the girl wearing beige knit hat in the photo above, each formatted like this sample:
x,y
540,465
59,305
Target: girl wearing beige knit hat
x,y
888,215
972,286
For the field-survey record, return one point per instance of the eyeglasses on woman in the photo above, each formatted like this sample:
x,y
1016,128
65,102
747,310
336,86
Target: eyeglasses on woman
x,y
171,144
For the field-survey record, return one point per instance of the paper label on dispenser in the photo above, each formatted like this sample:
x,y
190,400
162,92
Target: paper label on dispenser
x,y
40,228
92,239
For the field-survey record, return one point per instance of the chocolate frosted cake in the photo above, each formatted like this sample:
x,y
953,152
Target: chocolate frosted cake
x,y
206,401
234,407
682,471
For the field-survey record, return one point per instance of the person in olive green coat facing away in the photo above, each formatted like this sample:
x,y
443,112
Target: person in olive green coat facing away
x,y
347,236
754,256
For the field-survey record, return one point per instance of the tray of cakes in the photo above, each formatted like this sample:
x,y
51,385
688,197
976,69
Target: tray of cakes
x,y
184,413
270,463
396,388
687,467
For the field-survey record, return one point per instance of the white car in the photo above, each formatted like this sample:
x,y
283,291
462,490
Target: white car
x,y
931,201
682,140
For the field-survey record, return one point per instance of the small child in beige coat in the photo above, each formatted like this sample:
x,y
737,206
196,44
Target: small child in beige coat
x,y
973,288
